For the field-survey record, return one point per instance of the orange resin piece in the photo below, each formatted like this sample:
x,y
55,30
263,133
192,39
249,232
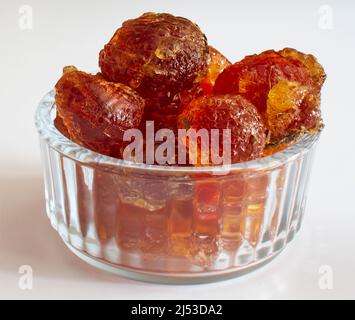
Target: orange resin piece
x,y
217,64
284,86
207,216
94,112
159,55
226,112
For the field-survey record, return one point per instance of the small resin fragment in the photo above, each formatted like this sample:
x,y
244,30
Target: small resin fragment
x,y
159,55
207,215
95,112
217,63
233,199
271,148
180,222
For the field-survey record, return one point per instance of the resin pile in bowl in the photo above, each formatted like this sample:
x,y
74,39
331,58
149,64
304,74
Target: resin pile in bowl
x,y
172,224
180,221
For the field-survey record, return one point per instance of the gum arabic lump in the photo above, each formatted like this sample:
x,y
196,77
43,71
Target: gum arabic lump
x,y
160,56
284,86
227,112
94,112
255,75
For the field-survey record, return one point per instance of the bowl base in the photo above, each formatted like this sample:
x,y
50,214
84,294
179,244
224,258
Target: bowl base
x,y
170,278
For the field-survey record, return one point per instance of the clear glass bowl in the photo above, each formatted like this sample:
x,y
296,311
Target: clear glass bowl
x,y
172,224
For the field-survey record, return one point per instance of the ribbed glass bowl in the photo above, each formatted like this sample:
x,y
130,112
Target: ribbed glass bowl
x,y
172,224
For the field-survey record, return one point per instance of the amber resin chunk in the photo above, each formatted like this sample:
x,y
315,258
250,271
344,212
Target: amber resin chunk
x,y
217,63
247,132
284,86
96,113
159,55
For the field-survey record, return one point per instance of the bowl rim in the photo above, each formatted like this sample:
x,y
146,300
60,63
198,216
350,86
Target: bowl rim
x,y
56,140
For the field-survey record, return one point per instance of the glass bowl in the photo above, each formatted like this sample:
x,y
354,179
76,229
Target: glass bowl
x,y
172,224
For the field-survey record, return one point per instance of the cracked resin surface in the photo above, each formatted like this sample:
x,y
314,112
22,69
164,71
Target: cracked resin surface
x,y
227,112
217,63
159,55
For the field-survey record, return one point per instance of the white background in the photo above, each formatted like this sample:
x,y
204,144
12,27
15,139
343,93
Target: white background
x,y
68,32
